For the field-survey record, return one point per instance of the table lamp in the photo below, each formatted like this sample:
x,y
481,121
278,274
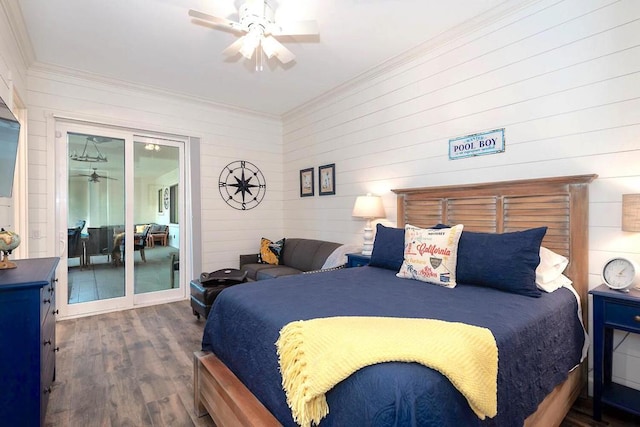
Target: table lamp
x,y
368,207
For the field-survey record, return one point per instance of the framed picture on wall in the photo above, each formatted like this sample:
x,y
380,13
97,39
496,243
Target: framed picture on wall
x,y
306,182
327,179
160,201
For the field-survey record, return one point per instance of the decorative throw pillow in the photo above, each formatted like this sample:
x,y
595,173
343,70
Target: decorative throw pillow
x,y
270,252
430,254
504,261
388,248
551,266
555,284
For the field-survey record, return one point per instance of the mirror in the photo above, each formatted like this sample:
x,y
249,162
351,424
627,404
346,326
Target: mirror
x,y
9,134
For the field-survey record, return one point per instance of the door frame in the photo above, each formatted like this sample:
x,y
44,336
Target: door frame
x,y
62,126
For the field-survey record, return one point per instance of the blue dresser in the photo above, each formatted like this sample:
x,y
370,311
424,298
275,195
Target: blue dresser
x,y
27,341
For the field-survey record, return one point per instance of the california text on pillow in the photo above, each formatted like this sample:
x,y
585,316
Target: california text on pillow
x,y
430,255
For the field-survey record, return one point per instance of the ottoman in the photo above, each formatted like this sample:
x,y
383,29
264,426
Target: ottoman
x,y
205,290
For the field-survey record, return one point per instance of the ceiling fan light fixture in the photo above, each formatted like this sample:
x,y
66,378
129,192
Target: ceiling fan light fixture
x,y
251,42
269,47
257,20
84,157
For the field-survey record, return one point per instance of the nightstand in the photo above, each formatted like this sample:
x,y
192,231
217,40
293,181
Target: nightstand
x,y
612,310
357,260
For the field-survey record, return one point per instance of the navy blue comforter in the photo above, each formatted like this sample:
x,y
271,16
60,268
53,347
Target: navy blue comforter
x,y
539,341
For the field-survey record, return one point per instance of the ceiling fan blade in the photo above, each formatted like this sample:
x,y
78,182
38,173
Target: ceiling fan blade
x,y
216,20
273,47
234,47
296,28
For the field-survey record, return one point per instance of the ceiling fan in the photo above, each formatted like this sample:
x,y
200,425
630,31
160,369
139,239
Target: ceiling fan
x,y
256,20
94,176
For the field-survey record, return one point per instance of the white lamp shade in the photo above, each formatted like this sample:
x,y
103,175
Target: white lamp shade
x,y
368,206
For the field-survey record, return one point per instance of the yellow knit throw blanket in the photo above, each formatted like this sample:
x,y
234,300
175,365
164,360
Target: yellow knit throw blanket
x,y
317,354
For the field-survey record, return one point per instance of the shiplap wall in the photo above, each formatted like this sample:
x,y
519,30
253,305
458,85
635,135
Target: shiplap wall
x,y
226,135
562,78
13,72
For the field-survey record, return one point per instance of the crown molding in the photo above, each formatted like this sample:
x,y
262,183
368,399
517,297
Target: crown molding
x,y
66,72
466,28
19,29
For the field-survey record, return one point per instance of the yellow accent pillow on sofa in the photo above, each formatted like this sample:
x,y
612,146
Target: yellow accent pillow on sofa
x,y
270,252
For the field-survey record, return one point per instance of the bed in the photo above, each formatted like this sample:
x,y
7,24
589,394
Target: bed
x,y
238,368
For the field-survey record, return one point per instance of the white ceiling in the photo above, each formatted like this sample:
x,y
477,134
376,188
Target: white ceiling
x,y
155,43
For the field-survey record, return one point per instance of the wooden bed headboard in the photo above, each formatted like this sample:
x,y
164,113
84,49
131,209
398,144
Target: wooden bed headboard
x,y
560,203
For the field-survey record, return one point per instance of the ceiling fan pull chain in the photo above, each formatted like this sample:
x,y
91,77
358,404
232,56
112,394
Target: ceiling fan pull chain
x,y
259,63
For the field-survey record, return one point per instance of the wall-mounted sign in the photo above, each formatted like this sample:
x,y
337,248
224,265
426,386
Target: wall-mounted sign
x,y
478,144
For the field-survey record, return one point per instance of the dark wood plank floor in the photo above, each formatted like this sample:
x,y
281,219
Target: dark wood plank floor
x,y
135,368
581,412
131,368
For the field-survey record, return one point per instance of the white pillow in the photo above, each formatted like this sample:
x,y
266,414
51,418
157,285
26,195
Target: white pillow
x,y
430,255
557,283
549,271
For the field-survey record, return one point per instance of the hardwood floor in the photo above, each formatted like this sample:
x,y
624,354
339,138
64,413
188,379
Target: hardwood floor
x,y
135,368
580,416
131,368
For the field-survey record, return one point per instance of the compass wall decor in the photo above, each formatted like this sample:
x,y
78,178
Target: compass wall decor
x,y
242,185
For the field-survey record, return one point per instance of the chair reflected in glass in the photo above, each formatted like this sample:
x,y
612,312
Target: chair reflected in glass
x,y
74,244
139,244
158,233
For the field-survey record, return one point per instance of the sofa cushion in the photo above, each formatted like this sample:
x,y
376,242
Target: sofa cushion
x,y
306,254
276,271
253,269
157,229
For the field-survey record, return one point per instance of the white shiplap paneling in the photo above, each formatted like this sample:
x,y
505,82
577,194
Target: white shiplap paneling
x,y
563,79
226,135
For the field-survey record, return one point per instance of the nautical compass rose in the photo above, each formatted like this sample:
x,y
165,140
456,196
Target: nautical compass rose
x,y
242,185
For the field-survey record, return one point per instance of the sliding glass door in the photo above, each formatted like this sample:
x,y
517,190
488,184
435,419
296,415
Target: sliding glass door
x,y
119,209
157,239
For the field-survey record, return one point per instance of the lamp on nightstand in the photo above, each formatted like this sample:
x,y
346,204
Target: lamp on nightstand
x,y
368,207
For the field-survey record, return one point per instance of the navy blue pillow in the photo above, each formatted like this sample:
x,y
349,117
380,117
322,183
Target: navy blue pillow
x,y
506,261
388,248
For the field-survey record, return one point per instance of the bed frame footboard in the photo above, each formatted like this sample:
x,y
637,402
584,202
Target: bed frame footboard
x,y
218,392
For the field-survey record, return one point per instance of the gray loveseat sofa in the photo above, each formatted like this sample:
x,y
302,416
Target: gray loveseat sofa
x,y
298,256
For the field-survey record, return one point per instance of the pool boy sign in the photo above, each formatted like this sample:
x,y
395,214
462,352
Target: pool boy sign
x,y
478,144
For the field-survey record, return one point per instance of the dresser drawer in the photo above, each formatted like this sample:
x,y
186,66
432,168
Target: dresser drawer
x,y
47,299
623,315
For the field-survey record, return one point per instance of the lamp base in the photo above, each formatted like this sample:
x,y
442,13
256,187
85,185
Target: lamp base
x,y
6,264
367,246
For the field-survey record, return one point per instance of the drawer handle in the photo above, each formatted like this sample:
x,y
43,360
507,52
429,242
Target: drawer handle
x,y
56,311
47,301
56,349
47,390
47,342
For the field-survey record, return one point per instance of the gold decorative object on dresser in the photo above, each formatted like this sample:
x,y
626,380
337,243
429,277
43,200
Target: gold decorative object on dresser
x,y
27,340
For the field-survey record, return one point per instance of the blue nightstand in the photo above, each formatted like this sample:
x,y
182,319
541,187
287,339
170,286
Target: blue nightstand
x,y
612,310
357,260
